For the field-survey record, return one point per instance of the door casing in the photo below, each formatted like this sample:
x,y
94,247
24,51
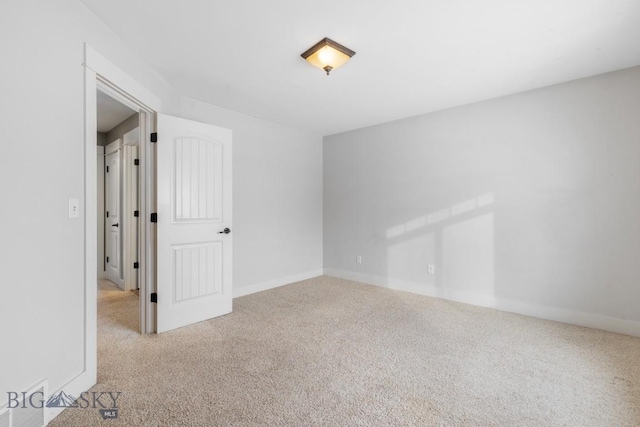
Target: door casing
x,y
146,185
99,71
130,204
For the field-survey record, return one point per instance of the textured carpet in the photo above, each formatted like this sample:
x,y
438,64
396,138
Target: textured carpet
x,y
332,352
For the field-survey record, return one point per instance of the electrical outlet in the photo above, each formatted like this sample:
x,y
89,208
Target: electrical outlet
x,y
359,259
431,269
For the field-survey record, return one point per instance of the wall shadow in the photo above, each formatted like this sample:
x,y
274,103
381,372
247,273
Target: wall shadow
x,y
457,240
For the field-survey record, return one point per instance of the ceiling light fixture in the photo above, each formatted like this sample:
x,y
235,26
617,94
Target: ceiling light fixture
x,y
327,54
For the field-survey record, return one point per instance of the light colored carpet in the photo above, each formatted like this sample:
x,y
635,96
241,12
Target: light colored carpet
x,y
336,353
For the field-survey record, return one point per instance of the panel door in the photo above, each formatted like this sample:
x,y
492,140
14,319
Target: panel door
x,y
113,226
194,239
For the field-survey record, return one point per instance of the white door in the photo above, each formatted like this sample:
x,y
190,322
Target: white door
x,y
113,229
194,239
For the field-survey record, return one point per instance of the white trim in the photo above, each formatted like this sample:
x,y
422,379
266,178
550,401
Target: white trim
x,y
275,283
100,176
89,375
110,79
146,232
132,137
589,320
97,67
75,387
120,79
130,203
112,147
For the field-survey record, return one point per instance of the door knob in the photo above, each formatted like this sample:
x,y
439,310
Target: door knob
x,y
114,225
225,231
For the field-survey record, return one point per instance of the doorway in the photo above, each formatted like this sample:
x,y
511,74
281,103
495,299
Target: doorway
x,y
101,74
185,215
118,197
128,257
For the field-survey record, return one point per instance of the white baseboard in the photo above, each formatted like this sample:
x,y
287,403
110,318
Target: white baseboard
x,y
75,387
589,320
270,284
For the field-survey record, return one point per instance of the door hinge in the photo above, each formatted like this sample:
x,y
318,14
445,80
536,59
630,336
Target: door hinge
x,y
136,162
154,217
136,213
154,297
107,214
107,259
136,265
107,169
154,137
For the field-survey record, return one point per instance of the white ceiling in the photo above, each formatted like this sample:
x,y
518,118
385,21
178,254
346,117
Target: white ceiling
x,y
111,112
412,56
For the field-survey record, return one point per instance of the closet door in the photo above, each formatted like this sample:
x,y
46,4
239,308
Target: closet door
x,y
113,217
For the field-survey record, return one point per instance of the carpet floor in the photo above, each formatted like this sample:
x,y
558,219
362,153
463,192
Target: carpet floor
x,y
330,352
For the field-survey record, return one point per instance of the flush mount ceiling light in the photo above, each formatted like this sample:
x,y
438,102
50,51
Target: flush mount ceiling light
x,y
327,54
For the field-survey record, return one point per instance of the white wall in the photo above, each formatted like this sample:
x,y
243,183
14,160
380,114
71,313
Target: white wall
x,y
529,203
277,188
277,197
41,167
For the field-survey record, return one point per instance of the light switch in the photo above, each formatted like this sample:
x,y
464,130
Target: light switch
x,y
74,208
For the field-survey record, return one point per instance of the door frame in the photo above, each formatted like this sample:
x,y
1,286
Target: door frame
x,y
130,203
100,73
146,156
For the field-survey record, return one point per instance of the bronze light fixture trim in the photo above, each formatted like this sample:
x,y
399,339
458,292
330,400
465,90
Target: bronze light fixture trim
x,y
327,54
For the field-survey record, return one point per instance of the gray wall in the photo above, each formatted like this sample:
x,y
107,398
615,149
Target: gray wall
x,y
102,139
531,200
123,127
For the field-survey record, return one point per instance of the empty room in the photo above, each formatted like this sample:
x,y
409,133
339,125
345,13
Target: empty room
x,y
320,214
